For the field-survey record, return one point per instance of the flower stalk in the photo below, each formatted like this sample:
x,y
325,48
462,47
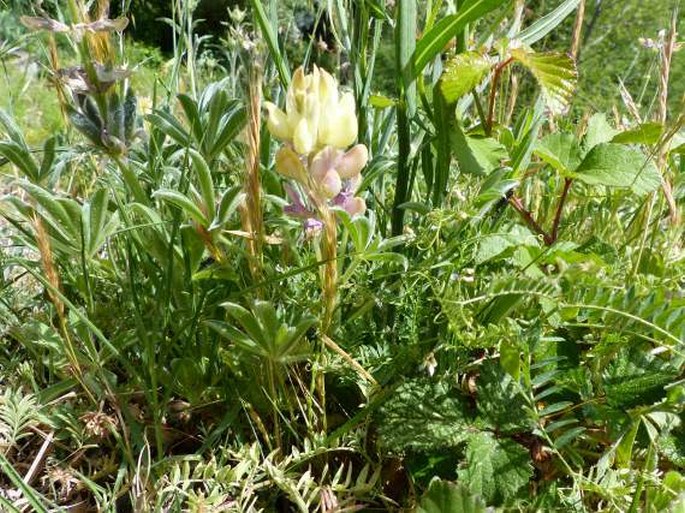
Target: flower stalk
x,y
317,129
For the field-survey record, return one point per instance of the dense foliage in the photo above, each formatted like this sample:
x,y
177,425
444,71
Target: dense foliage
x,y
291,279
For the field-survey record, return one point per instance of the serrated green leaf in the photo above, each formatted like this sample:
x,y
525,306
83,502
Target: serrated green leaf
x,y
494,468
422,416
598,131
646,133
559,150
477,155
446,497
615,165
555,73
462,73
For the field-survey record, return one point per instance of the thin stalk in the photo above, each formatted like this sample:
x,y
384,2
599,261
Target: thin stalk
x,y
493,93
516,202
560,206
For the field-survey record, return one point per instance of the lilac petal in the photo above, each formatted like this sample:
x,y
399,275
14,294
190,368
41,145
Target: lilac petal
x,y
312,227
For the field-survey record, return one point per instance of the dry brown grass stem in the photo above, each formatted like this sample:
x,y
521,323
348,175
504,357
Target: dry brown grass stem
x,y
662,112
577,30
48,264
252,213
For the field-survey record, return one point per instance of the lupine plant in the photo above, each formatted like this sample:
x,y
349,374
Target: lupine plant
x,y
354,256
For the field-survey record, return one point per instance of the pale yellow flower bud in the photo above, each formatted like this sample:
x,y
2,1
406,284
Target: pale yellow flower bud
x,y
288,163
277,122
315,114
304,140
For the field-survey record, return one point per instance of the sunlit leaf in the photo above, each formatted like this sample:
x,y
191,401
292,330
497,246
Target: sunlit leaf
x,y
555,73
462,73
615,165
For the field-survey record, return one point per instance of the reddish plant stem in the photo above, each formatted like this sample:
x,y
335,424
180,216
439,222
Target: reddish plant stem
x,y
493,93
560,207
516,202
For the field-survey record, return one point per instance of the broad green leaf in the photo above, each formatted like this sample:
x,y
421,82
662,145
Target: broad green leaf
x,y
433,42
615,165
446,497
462,73
598,131
477,155
555,73
423,416
646,133
547,23
495,468
559,150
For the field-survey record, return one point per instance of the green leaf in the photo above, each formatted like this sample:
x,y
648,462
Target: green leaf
x,y
476,155
446,497
378,101
494,468
405,43
615,165
646,133
598,131
559,150
536,31
423,416
20,157
184,203
462,73
433,42
555,73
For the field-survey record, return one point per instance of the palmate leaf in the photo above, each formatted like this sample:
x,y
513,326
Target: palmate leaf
x,y
495,468
555,73
462,73
446,497
615,165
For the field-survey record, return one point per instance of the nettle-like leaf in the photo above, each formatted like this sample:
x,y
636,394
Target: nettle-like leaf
x,y
559,150
646,133
495,468
462,73
615,165
555,73
598,131
423,416
500,400
477,155
446,497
